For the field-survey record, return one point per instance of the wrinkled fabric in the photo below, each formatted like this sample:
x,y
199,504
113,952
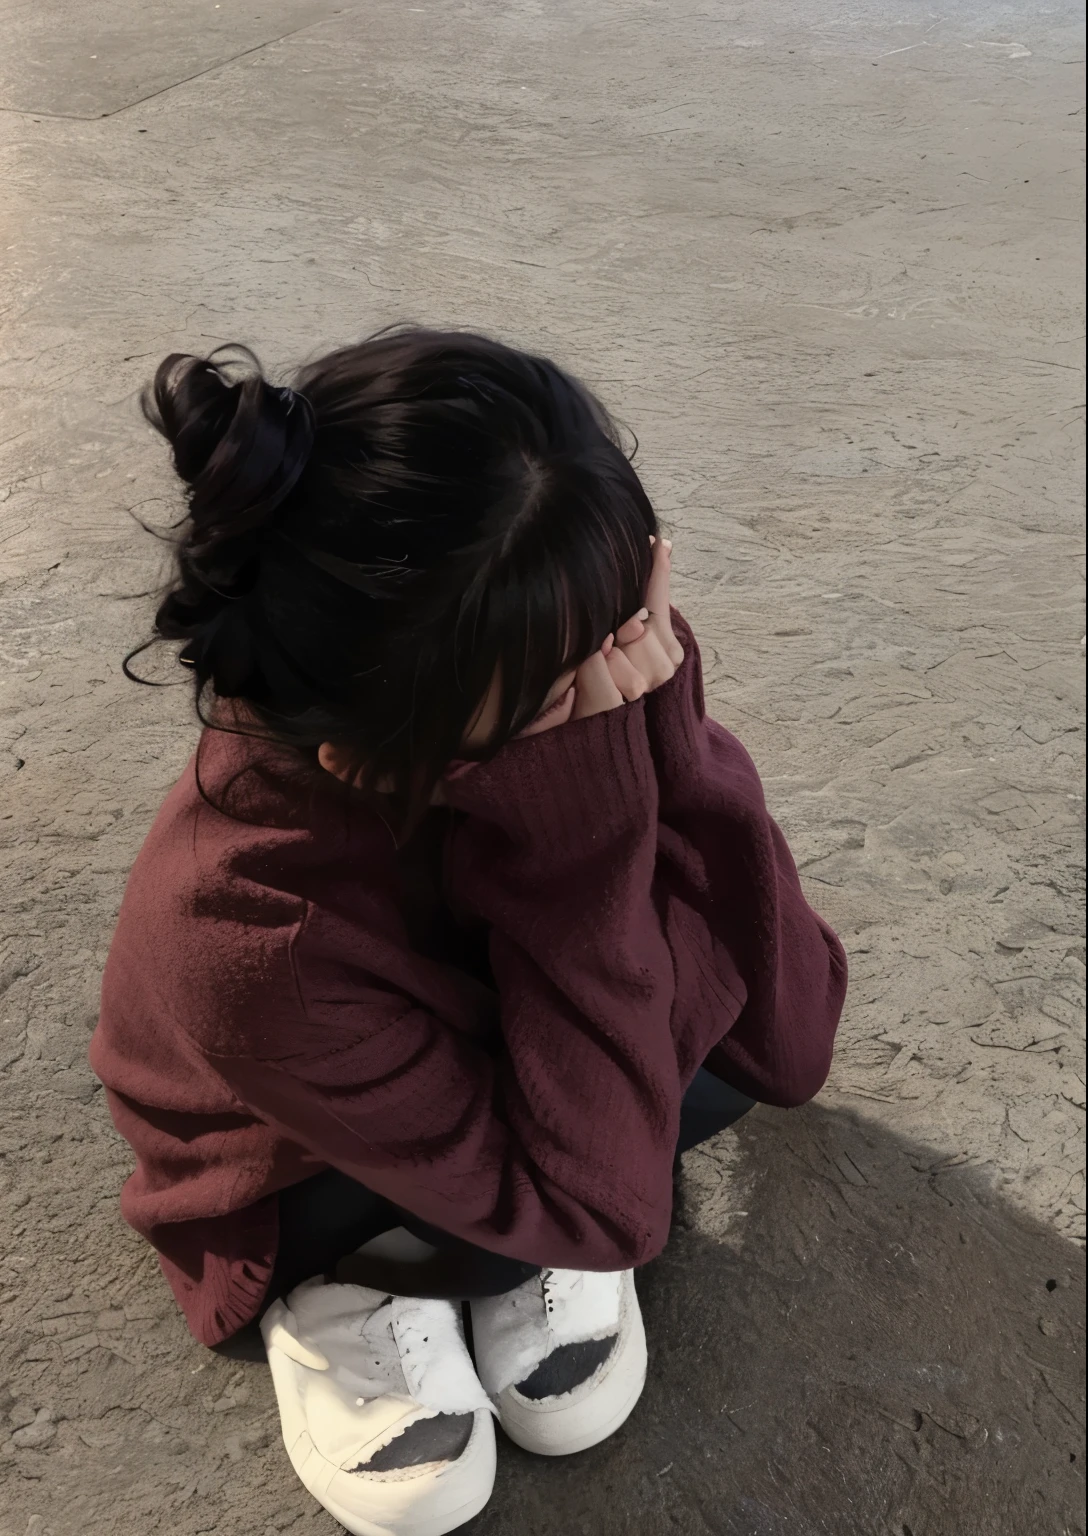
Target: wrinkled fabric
x,y
265,1014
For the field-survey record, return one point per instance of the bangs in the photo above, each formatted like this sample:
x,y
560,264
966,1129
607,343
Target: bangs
x,y
577,570
407,549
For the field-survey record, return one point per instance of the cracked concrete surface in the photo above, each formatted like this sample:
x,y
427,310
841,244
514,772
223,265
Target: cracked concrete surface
x,y
826,262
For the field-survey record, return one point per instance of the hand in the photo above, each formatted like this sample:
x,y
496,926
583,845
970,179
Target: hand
x,y
654,652
643,654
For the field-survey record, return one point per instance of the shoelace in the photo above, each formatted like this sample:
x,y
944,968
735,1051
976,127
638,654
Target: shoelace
x,y
370,1324
560,1287
394,1358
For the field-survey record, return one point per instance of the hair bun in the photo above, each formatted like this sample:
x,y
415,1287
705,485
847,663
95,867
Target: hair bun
x,y
239,443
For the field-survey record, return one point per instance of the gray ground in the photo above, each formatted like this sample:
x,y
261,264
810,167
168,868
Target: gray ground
x,y
826,262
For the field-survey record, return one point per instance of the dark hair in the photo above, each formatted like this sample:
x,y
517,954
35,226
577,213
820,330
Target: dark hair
x,y
364,552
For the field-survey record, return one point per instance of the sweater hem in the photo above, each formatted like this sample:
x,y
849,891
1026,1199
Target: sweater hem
x,y
232,1285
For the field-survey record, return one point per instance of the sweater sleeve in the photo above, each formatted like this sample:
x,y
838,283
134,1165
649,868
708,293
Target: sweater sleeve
x,y
733,887
557,1148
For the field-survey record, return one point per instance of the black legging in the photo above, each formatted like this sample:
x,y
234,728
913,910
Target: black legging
x,y
326,1218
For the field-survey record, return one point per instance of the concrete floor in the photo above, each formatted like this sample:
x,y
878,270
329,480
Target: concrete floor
x,y
826,262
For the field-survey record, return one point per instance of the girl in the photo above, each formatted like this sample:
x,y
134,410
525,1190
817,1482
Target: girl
x,y
462,922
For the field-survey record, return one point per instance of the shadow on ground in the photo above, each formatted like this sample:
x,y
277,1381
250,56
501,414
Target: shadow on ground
x,y
876,1347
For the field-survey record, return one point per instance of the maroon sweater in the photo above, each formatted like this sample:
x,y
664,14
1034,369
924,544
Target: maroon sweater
x,y
266,1014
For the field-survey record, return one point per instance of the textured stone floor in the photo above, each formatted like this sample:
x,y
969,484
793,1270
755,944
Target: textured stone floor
x,y
826,262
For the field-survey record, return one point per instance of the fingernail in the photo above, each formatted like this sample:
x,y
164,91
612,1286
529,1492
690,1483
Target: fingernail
x,y
652,539
666,545
643,613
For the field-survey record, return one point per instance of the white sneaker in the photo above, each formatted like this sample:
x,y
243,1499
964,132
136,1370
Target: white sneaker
x,y
563,1357
383,1416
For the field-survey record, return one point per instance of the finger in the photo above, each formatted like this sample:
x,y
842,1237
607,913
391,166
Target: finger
x,y
673,649
657,589
558,714
627,678
666,636
649,657
594,690
634,627
659,601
